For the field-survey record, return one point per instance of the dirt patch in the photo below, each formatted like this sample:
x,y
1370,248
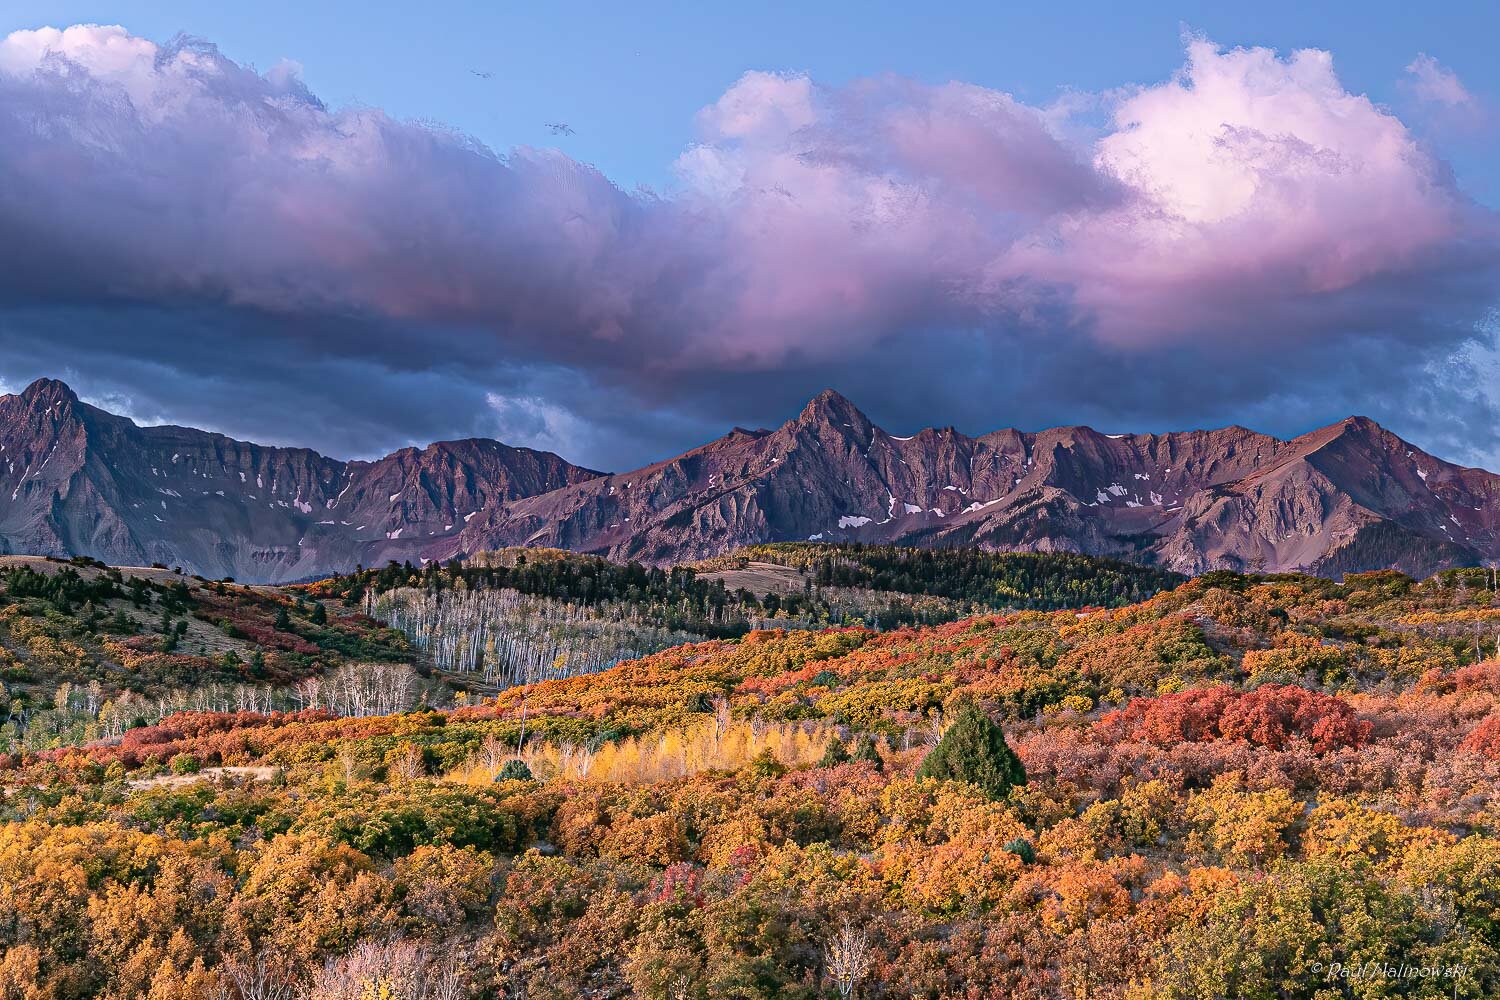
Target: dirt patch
x,y
760,578
207,774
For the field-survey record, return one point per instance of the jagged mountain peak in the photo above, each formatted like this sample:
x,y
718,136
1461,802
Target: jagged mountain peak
x,y
831,406
49,390
1196,500
46,396
76,480
1354,428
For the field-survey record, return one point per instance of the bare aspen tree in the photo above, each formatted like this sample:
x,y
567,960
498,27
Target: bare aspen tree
x,y
447,979
407,764
397,969
849,959
309,693
722,717
348,766
363,689
493,753
584,759
504,636
936,726
262,976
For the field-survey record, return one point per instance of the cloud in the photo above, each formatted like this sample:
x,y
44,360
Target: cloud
x,y
1244,233
1265,200
546,424
1431,81
1448,107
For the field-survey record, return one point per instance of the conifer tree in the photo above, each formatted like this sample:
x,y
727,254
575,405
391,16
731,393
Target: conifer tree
x,y
835,754
974,750
865,749
515,769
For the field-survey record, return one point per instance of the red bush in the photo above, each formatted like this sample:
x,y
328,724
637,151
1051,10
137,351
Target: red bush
x,y
1484,740
1270,716
207,735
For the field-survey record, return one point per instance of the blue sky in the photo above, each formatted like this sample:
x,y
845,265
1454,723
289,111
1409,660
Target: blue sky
x,y
1142,217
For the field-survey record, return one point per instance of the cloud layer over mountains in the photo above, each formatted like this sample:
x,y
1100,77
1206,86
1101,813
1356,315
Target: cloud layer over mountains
x,y
1243,241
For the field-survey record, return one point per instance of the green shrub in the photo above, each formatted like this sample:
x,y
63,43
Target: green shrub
x,y
185,763
835,754
974,750
515,769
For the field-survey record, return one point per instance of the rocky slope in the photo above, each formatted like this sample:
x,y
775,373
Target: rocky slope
x,y
77,480
1351,496
1347,497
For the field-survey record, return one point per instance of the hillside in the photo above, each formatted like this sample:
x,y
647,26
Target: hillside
x,y
506,616
88,650
1218,791
982,580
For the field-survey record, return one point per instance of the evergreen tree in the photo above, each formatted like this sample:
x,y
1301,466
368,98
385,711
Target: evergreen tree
x,y
865,749
766,765
515,769
974,750
1021,848
835,754
283,620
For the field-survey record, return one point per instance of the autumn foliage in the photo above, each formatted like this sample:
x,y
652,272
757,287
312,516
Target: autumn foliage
x,y
1215,792
1271,716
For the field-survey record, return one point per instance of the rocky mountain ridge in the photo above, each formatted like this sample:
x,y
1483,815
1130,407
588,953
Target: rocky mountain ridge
x,y
77,480
1347,497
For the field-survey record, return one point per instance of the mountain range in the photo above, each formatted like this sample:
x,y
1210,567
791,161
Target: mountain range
x,y
76,480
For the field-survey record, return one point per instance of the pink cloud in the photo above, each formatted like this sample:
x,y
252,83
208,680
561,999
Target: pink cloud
x,y
1434,82
1251,177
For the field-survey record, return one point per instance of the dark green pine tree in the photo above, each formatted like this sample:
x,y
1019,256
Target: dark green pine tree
x,y
974,750
835,754
515,769
865,749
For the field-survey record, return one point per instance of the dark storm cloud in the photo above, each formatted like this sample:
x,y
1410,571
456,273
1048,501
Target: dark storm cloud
x,y
1247,241
170,367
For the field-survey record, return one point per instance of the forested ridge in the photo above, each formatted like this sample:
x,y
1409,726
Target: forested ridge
x,y
508,615
1032,580
1219,791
